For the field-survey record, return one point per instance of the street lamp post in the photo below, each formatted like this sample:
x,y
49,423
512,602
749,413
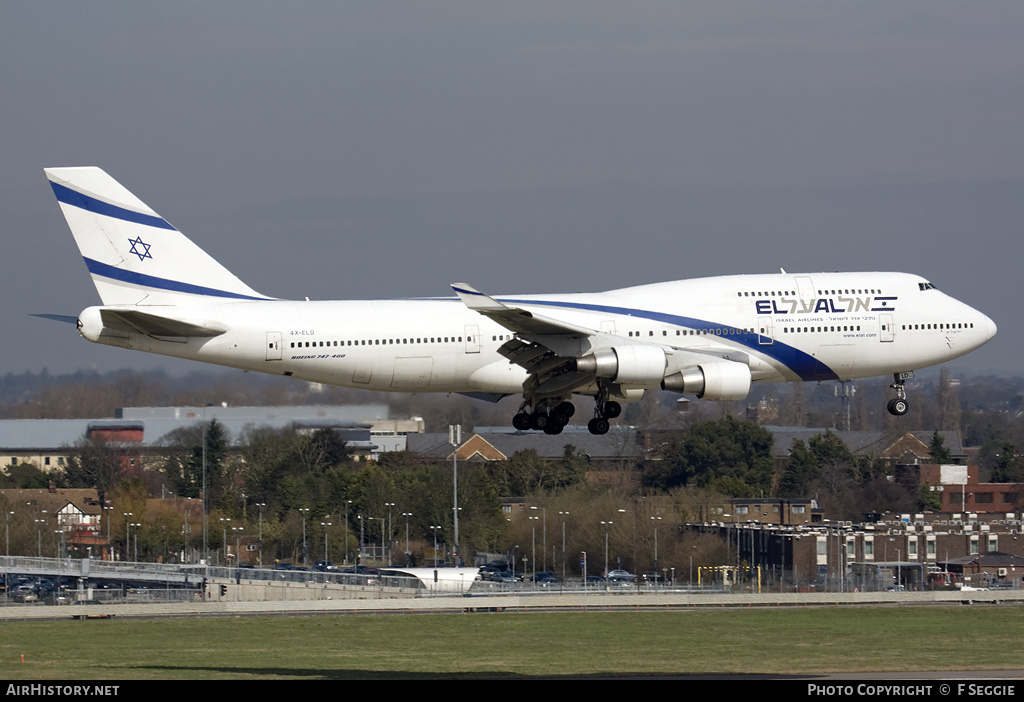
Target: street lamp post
x,y
533,550
655,520
107,518
259,554
606,525
305,513
381,538
127,535
455,439
564,515
325,525
389,505
406,515
347,503
544,537
359,551
224,535
434,528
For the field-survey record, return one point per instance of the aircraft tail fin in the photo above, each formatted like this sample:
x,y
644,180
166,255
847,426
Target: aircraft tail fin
x,y
135,257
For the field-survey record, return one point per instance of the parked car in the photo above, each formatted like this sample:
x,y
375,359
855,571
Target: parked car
x,y
24,593
621,580
542,577
504,576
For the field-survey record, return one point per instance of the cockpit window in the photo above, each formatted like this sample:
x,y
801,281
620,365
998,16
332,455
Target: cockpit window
x,y
926,286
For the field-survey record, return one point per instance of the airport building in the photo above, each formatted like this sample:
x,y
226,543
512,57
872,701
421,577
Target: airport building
x,y
912,551
368,430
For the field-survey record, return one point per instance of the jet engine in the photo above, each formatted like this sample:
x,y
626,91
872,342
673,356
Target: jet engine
x,y
635,364
715,380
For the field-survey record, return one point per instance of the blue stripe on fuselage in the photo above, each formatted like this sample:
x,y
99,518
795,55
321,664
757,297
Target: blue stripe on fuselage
x,y
152,281
82,201
806,366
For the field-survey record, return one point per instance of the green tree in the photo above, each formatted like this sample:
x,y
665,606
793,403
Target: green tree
x,y
726,455
25,476
93,463
1007,467
186,459
937,449
800,471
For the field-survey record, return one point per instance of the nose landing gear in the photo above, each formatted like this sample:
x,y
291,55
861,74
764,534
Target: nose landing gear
x,y
899,406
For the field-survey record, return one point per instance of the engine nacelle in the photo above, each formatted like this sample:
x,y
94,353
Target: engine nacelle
x,y
636,364
715,380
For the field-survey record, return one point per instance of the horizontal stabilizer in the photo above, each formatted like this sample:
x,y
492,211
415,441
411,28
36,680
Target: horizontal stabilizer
x,y
67,319
155,325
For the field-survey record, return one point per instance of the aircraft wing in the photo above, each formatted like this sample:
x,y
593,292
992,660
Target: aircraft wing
x,y
515,319
547,348
561,357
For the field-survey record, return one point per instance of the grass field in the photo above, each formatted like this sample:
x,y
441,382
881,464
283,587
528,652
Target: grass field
x,y
767,641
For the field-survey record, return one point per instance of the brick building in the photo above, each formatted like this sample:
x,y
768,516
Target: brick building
x,y
959,490
908,550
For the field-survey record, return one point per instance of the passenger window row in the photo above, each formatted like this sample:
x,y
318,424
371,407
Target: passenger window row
x,y
790,293
801,330
379,342
945,325
717,331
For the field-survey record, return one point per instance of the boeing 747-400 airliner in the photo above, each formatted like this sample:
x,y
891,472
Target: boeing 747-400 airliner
x,y
708,337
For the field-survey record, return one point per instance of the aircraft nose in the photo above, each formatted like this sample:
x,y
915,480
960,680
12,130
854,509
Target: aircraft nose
x,y
990,328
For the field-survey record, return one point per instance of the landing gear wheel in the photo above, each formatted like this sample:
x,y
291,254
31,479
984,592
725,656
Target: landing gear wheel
x,y
521,421
552,428
598,425
612,409
898,407
539,421
561,414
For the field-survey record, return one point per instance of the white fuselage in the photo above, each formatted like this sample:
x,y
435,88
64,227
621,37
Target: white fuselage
x,y
785,327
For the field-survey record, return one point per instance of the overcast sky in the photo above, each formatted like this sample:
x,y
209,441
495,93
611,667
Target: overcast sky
x,y
386,149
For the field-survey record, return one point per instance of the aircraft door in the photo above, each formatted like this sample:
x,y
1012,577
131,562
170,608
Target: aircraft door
x,y
472,338
765,334
886,332
608,326
273,346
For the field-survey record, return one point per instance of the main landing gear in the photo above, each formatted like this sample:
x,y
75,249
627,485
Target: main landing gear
x,y
605,410
547,416
899,406
551,416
